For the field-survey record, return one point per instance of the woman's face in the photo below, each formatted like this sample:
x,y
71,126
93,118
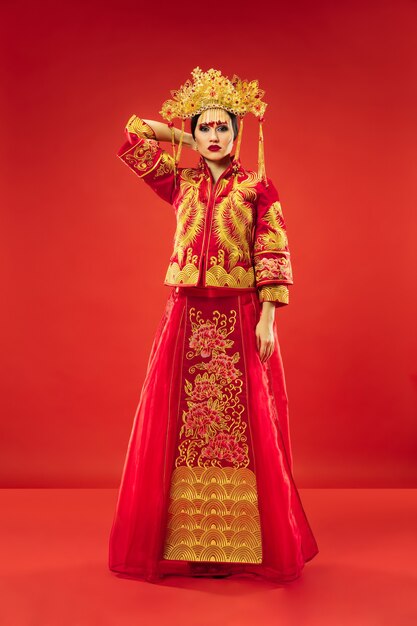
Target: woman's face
x,y
214,134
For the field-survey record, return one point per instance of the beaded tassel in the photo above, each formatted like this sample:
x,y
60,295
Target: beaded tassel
x,y
171,126
261,153
180,142
239,139
237,151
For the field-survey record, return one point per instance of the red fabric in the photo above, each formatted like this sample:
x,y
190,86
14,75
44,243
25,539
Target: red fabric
x,y
139,526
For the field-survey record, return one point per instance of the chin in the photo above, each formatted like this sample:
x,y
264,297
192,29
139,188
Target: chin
x,y
216,156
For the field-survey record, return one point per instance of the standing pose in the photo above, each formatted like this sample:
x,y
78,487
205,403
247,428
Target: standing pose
x,y
207,486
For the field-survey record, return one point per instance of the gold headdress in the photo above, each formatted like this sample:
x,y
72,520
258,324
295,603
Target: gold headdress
x,y
212,90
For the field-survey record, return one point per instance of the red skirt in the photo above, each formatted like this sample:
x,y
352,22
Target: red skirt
x,y
207,486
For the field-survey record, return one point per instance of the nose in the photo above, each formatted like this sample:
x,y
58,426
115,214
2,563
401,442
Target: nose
x,y
213,135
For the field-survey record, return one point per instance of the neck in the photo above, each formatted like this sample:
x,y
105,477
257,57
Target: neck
x,y
218,167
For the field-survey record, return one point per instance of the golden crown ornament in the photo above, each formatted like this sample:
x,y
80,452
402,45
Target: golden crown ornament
x,y
208,90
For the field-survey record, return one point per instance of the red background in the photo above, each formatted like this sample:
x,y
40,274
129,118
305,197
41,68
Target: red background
x,y
80,305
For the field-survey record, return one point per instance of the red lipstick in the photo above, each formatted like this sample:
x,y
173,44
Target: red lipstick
x,y
214,148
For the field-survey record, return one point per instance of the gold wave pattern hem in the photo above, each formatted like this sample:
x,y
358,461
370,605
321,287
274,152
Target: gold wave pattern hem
x,y
213,516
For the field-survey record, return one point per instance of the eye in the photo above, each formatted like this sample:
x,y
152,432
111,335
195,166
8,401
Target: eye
x,y
223,128
203,128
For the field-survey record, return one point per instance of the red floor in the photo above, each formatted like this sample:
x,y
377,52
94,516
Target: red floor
x,y
54,555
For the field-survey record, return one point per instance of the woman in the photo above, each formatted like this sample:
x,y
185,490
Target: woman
x,y
207,487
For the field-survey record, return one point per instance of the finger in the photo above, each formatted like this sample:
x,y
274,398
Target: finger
x,y
270,351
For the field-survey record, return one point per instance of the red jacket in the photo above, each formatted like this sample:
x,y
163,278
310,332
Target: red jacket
x,y
228,235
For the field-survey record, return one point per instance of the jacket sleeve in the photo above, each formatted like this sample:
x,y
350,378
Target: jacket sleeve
x,y
271,253
142,153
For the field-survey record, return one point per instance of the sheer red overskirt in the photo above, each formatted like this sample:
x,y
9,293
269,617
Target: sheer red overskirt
x,y
139,526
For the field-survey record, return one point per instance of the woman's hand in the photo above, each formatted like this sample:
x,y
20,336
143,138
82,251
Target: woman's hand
x,y
264,331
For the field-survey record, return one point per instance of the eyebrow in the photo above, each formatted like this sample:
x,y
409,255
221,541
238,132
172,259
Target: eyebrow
x,y
212,123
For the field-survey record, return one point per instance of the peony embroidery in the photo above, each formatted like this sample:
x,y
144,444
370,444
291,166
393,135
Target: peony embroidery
x,y
223,366
225,447
201,421
205,387
207,338
213,432
276,268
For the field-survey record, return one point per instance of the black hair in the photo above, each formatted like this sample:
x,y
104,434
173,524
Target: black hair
x,y
233,118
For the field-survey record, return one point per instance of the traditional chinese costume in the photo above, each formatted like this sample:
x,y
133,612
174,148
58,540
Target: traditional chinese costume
x,y
207,486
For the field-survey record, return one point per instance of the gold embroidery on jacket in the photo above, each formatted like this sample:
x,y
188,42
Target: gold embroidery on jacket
x,y
275,268
273,293
144,156
166,165
216,275
221,186
233,219
188,275
234,263
276,238
190,214
140,128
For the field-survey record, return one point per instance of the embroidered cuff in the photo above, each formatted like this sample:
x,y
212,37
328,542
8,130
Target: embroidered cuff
x,y
140,128
273,268
142,157
279,294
